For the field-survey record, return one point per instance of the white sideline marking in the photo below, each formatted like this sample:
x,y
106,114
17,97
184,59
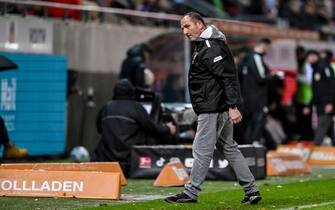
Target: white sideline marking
x,y
309,206
128,197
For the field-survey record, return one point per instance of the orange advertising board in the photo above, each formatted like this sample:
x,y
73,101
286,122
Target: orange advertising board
x,y
77,184
89,166
285,164
322,156
173,174
300,150
313,155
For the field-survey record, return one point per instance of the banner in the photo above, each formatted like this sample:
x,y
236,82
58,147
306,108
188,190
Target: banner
x,y
26,35
76,184
33,102
148,161
314,156
285,164
300,150
322,156
89,166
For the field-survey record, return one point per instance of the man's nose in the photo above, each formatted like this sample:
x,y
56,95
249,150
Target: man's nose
x,y
185,31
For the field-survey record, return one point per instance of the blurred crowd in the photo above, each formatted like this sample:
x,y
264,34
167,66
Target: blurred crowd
x,y
269,121
301,14
265,119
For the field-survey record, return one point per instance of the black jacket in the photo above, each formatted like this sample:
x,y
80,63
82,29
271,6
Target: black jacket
x,y
323,85
213,81
123,122
254,86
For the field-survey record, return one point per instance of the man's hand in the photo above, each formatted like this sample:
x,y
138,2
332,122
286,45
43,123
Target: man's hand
x,y
328,108
171,127
306,110
234,115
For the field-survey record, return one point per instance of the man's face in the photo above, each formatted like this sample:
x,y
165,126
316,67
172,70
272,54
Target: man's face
x,y
191,28
312,58
264,48
146,56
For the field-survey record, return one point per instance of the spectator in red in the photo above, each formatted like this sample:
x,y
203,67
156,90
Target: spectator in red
x,y
56,12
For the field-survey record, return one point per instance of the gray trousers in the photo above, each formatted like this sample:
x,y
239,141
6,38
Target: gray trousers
x,y
215,129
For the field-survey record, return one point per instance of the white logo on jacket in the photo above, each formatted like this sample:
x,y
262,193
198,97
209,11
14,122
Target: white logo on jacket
x,y
216,59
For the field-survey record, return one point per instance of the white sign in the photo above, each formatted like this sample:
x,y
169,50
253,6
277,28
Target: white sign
x,y
27,35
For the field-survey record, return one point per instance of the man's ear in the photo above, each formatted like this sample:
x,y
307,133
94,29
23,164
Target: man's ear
x,y
200,25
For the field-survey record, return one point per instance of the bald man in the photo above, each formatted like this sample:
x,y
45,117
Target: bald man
x,y
215,96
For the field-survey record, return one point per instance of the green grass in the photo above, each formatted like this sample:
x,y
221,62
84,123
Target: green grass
x,y
277,193
274,197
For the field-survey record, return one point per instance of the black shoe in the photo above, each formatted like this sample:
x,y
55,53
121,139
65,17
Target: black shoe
x,y
252,198
180,198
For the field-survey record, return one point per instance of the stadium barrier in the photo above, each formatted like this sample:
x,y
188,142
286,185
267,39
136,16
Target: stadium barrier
x,y
148,161
35,92
74,184
302,151
322,157
285,164
314,156
90,166
173,174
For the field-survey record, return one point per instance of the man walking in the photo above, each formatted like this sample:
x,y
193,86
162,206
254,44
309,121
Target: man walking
x,y
215,95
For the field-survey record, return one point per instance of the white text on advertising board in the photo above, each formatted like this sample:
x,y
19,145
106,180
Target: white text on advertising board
x,y
45,186
8,94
